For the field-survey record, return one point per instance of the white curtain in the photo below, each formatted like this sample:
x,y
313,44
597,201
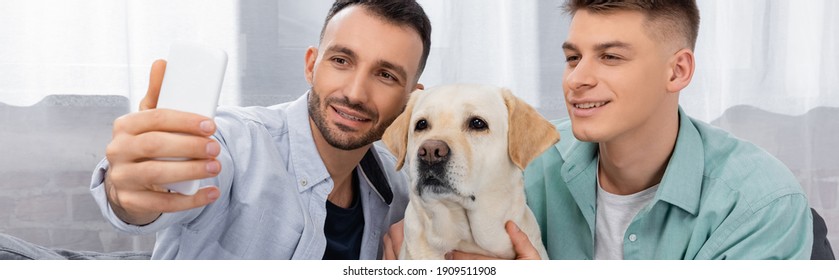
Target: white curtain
x,y
776,57
780,56
103,47
485,42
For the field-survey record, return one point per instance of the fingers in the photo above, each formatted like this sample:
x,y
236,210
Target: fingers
x,y
521,243
458,255
158,69
152,145
164,120
158,172
389,253
161,202
397,234
393,241
144,135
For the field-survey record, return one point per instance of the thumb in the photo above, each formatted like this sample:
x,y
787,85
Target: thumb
x,y
158,68
521,243
205,196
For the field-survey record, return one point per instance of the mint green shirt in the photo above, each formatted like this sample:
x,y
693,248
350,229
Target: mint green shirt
x,y
720,198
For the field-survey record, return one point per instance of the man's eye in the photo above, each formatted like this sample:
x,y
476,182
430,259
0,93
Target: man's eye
x,y
477,124
610,57
421,125
572,60
339,60
388,76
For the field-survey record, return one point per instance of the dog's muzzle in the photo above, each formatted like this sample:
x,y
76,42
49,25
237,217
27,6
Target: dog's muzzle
x,y
432,159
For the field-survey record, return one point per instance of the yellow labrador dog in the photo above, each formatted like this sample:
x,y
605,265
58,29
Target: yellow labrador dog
x,y
466,147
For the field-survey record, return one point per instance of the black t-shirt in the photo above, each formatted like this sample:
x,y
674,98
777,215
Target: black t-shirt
x,y
344,227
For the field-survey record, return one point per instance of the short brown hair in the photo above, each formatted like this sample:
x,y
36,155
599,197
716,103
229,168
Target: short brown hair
x,y
678,18
399,12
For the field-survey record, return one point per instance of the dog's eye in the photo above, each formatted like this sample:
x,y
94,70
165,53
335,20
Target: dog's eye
x,y
477,124
421,125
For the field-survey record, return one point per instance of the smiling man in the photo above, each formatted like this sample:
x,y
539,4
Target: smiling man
x,y
634,177
300,180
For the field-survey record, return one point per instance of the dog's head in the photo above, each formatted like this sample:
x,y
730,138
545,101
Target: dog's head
x,y
458,139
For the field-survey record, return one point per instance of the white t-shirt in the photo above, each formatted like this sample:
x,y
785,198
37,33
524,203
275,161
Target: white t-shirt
x,y
614,214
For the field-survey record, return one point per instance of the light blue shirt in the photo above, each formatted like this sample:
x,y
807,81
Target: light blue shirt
x,y
273,187
720,198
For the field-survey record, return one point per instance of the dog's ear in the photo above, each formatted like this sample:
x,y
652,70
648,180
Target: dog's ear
x,y
396,135
529,133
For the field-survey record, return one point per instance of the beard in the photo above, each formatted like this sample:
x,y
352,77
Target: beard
x,y
343,137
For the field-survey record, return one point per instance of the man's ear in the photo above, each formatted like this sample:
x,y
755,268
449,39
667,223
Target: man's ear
x,y
529,133
682,66
420,86
311,58
396,135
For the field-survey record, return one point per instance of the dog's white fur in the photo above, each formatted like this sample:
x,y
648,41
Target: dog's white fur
x,y
484,170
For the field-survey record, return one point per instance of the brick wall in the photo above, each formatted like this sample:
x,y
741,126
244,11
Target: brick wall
x,y
47,155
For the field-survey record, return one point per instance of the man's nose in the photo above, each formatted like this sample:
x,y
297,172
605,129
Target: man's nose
x,y
433,151
581,76
357,92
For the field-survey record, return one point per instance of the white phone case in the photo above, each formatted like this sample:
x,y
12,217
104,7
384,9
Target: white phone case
x,y
192,83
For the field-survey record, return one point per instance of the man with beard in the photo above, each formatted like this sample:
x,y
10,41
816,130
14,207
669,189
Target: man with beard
x,y
299,180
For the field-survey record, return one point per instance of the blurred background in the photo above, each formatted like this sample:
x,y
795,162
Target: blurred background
x,y
767,71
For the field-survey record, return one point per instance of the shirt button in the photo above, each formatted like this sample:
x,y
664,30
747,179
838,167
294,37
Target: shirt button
x,y
633,237
303,182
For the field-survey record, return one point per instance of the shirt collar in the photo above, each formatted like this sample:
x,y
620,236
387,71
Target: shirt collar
x,y
682,181
372,171
308,165
680,185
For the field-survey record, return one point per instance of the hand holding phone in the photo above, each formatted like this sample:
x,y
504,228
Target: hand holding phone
x,y
192,83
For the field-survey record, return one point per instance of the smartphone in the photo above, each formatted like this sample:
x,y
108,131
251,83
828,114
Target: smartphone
x,y
192,83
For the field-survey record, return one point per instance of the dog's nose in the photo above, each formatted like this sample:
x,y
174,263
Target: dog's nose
x,y
433,151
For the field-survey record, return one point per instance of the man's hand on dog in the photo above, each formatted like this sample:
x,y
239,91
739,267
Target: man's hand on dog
x,y
393,241
134,181
521,244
